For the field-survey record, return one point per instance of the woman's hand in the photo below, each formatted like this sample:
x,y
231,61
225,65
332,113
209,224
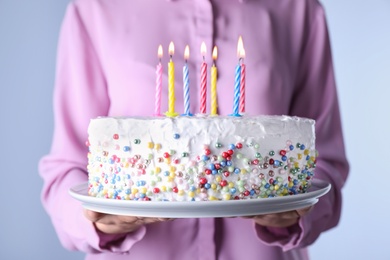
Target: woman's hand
x,y
116,224
281,220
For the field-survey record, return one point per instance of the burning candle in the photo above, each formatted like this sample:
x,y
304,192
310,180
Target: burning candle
x,y
243,75
214,83
157,110
203,80
171,83
237,81
236,99
186,82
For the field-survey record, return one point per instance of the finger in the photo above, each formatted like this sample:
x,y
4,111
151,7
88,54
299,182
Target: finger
x,y
304,211
114,229
283,215
93,216
143,220
283,219
295,213
156,220
112,224
128,220
249,217
279,223
165,219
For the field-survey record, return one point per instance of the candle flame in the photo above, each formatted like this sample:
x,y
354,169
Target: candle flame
x,y
203,49
160,51
242,53
215,53
240,48
171,49
186,52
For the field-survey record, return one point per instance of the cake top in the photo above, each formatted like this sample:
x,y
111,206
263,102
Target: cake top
x,y
259,118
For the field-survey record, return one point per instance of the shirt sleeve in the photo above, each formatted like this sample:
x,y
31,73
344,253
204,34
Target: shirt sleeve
x,y
316,97
80,94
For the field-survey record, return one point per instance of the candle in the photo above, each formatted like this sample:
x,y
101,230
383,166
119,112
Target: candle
x,y
203,80
243,75
186,82
214,83
171,83
237,81
157,110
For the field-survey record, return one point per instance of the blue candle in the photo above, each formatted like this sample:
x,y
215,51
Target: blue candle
x,y
237,83
186,83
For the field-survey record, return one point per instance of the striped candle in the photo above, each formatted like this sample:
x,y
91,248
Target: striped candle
x,y
203,81
242,89
157,109
243,75
186,82
237,83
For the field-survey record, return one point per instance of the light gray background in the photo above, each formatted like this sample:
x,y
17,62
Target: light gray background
x,y
360,35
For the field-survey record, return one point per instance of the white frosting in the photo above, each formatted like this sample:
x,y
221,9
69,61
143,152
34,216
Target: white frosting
x,y
163,158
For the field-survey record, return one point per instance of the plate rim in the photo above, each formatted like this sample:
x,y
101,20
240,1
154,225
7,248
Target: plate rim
x,y
190,209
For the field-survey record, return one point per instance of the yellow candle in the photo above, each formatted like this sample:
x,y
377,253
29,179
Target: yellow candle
x,y
171,83
214,84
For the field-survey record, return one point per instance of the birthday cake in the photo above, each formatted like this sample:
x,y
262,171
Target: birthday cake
x,y
200,158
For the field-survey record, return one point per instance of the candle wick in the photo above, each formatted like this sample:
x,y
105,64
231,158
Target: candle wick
x,y
203,59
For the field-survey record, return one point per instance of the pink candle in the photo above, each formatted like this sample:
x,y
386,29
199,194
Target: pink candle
x,y
203,80
241,56
157,110
242,83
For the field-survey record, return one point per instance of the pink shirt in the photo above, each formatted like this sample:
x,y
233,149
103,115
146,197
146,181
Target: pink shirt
x,y
107,58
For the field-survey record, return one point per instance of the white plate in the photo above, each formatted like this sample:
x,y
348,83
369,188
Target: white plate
x,y
200,209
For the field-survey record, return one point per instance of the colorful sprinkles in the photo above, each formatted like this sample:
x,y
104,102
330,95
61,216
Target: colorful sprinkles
x,y
222,171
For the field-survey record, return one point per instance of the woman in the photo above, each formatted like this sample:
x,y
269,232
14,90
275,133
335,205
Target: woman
x,y
106,66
